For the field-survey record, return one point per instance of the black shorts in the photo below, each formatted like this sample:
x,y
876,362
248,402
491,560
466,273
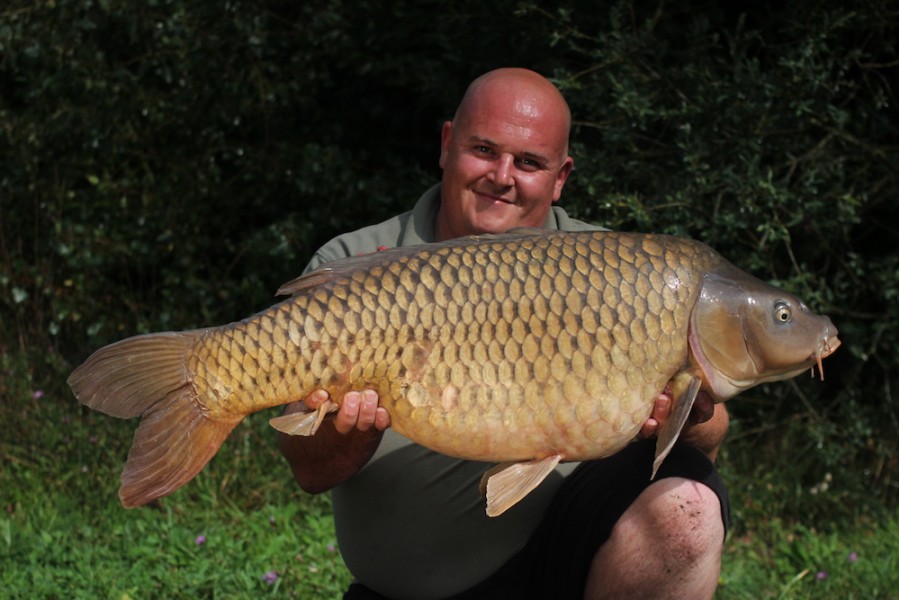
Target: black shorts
x,y
557,558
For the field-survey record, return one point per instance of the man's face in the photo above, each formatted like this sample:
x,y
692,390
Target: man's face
x,y
504,163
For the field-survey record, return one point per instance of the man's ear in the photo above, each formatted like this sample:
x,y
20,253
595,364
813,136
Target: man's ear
x,y
446,137
562,176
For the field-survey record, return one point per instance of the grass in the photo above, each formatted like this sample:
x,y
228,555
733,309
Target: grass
x,y
61,550
243,530
774,559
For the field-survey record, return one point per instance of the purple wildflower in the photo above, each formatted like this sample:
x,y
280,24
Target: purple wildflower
x,y
201,539
821,576
853,556
37,394
270,577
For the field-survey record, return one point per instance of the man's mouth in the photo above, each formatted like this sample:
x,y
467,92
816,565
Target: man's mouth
x,y
488,197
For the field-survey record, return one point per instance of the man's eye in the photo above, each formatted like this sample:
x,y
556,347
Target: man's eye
x,y
484,149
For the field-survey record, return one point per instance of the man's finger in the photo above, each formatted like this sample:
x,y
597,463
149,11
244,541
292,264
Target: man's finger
x,y
661,409
315,399
348,415
382,419
368,407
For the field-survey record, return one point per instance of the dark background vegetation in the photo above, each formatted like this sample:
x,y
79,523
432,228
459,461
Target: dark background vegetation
x,y
167,164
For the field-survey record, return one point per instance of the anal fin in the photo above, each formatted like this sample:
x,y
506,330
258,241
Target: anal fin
x,y
506,484
303,423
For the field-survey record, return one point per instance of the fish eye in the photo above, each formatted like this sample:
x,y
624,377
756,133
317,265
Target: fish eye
x,y
782,312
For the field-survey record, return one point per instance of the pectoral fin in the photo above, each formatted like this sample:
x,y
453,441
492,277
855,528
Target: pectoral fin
x,y
684,388
506,484
303,423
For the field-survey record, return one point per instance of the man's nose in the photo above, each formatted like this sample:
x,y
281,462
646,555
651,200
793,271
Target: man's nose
x,y
502,171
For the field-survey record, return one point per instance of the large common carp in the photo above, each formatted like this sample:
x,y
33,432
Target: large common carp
x,y
525,348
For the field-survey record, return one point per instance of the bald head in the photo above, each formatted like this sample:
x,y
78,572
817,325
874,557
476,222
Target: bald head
x,y
521,94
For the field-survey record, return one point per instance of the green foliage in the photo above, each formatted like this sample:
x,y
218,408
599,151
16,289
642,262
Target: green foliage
x,y
162,158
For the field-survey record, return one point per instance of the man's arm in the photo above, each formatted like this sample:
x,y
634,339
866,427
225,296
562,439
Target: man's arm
x,y
709,435
344,443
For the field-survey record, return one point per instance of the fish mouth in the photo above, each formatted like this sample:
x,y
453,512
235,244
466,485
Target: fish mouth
x,y
827,347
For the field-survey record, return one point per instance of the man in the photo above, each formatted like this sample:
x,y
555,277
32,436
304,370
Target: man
x,y
409,522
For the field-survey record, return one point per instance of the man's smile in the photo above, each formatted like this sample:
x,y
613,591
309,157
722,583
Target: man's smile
x,y
492,198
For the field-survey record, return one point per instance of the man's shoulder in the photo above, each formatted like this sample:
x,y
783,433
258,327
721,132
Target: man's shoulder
x,y
362,241
412,227
564,222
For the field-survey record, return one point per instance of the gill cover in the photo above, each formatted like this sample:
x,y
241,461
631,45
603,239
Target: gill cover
x,y
744,332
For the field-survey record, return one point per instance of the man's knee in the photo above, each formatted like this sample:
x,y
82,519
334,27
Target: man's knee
x,y
674,524
687,515
669,539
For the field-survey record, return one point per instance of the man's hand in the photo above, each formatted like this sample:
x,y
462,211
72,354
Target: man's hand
x,y
359,410
334,454
705,429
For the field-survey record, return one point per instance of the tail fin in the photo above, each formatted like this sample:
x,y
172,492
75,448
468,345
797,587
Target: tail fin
x,y
147,376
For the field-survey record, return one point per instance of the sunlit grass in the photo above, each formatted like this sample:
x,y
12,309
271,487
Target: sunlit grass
x,y
779,560
179,551
241,529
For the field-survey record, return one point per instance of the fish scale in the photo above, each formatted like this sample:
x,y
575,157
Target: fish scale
x,y
529,346
594,394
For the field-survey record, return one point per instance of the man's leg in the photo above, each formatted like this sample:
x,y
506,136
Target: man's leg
x,y
612,528
667,544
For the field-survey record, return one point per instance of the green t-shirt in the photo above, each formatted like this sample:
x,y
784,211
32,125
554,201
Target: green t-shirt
x,y
411,523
